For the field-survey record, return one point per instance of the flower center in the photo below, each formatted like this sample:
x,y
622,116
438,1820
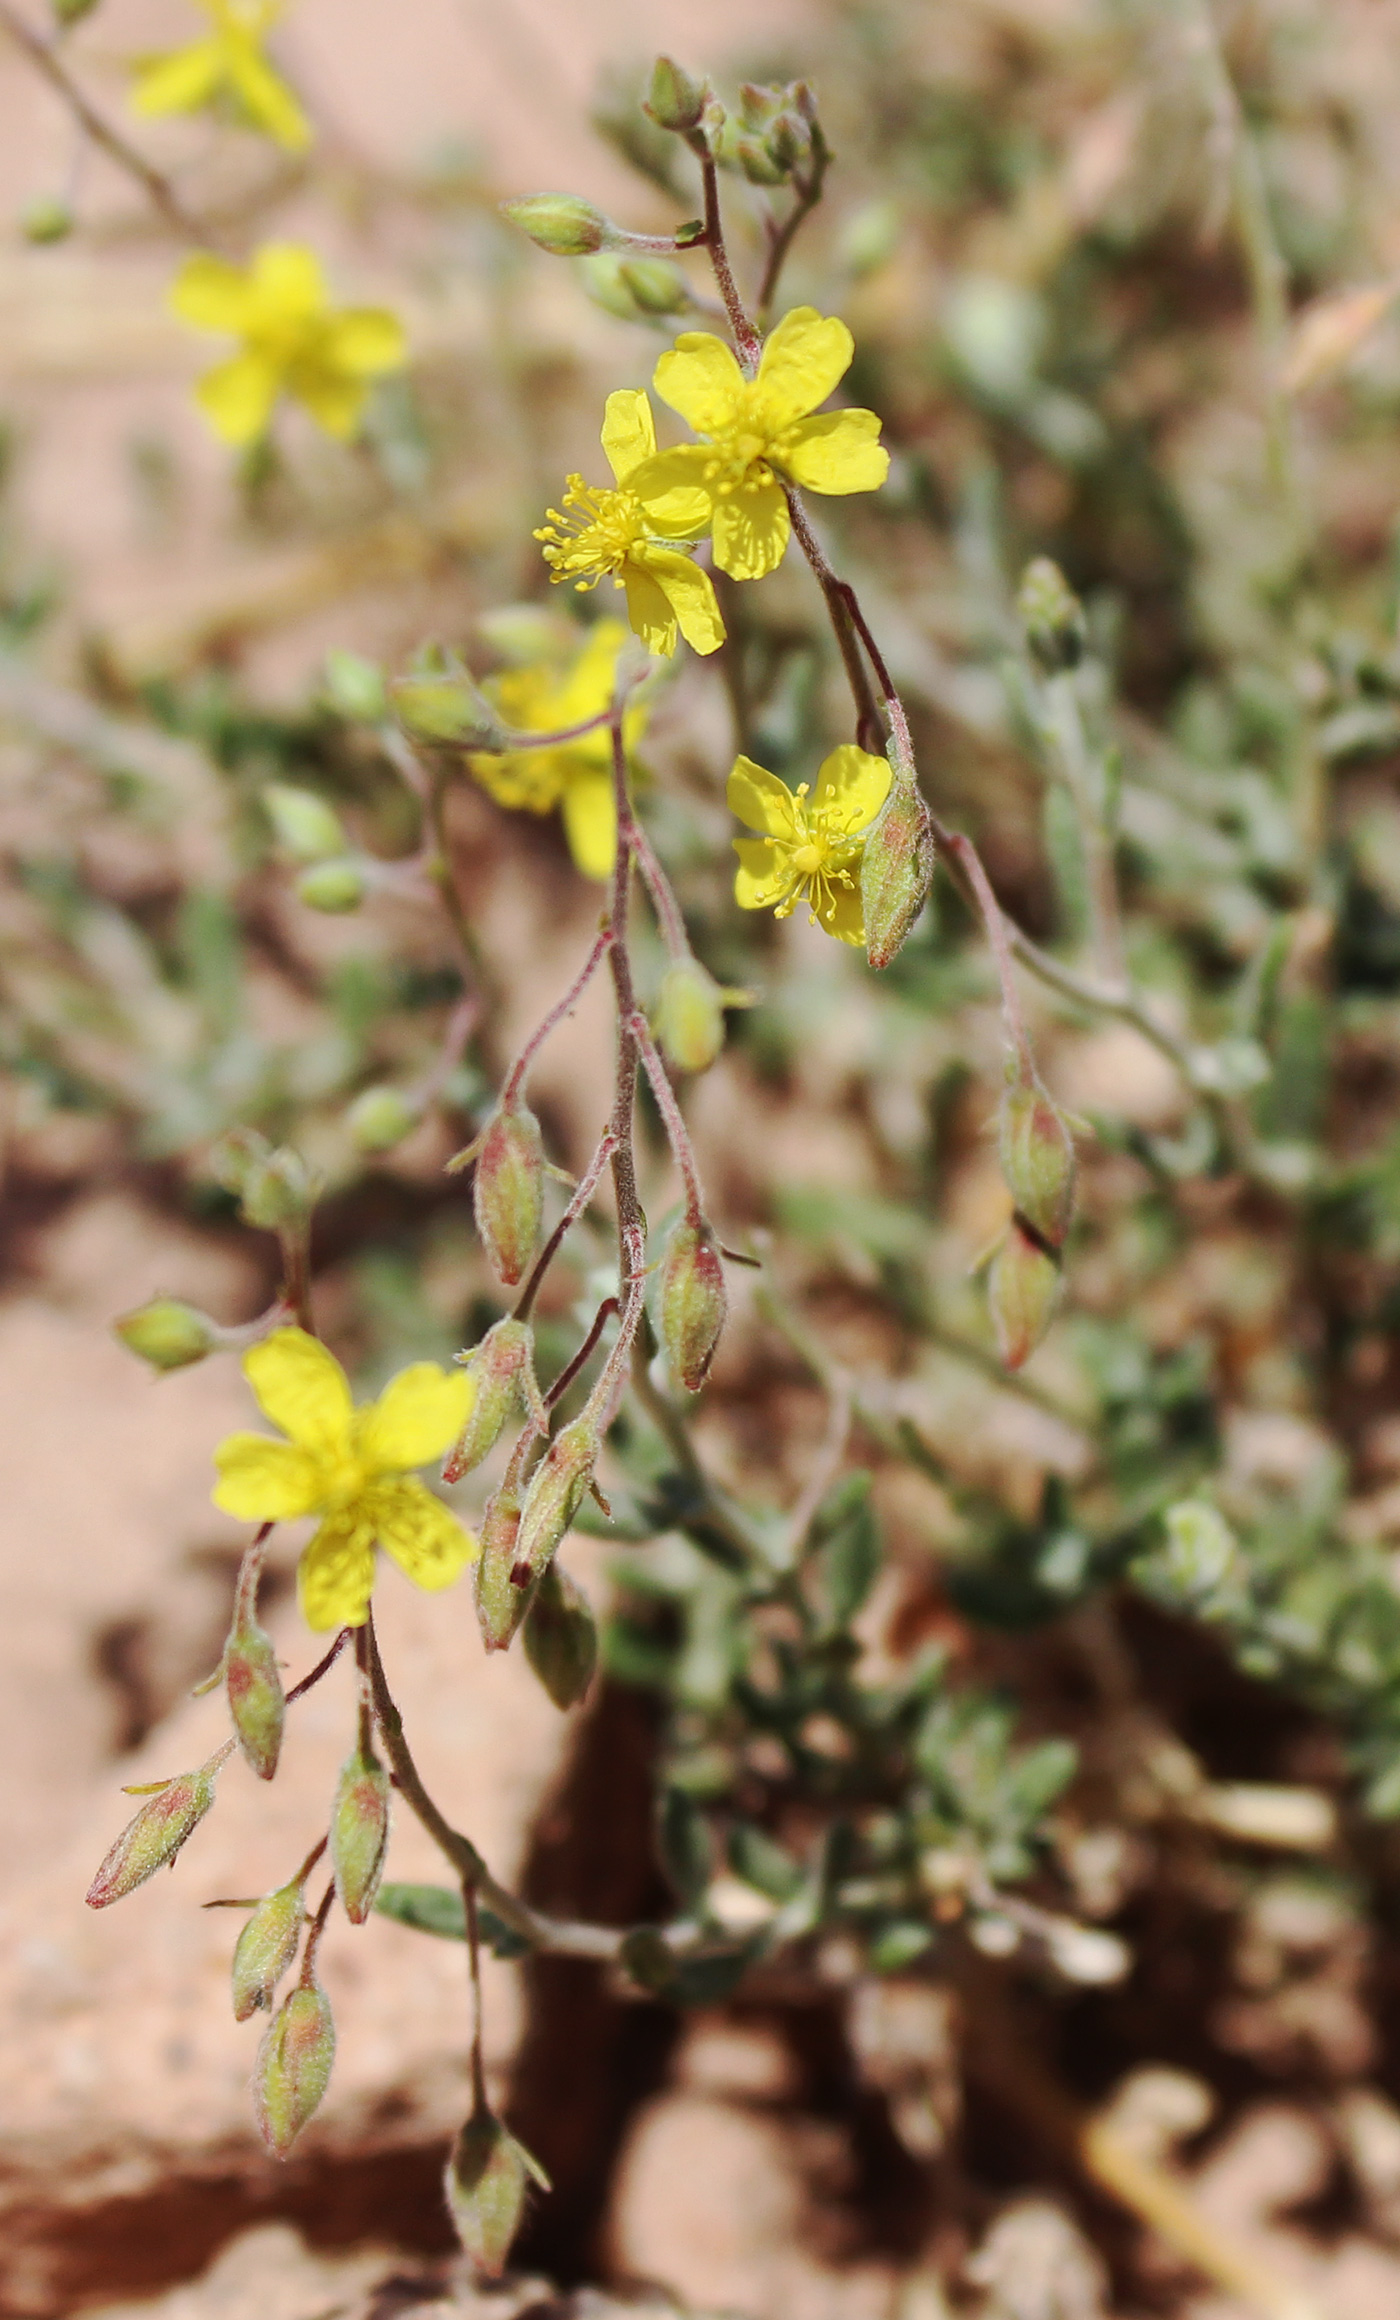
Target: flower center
x,y
594,533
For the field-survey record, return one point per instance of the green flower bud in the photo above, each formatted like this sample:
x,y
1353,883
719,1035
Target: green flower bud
x,y
692,1303
266,1947
334,887
499,1601
656,285
562,223
552,1500
168,1333
561,1637
447,708
253,1682
675,99
277,1191
304,825
1051,615
756,162
1037,1157
359,1832
173,1811
48,218
508,1191
1023,1289
293,2067
354,687
499,1368
789,140
896,871
381,1117
689,1015
488,2178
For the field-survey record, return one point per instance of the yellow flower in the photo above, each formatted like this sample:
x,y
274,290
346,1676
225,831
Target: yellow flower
x,y
350,1467
229,63
577,775
760,430
811,847
599,532
294,343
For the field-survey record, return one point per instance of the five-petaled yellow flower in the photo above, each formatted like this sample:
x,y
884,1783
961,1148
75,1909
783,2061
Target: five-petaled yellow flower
x,y
575,775
599,532
760,431
351,1467
228,64
294,341
811,845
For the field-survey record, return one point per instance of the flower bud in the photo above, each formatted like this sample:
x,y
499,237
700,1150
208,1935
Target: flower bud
x,y
171,1814
1023,1289
896,871
354,686
293,2067
333,887
488,2177
561,1637
303,824
675,99
359,1832
508,1191
47,218
563,223
690,1015
499,1602
168,1333
447,708
789,140
266,1948
692,1303
552,1500
253,1682
1052,617
756,162
1037,1157
277,1190
498,1368
657,287
381,1117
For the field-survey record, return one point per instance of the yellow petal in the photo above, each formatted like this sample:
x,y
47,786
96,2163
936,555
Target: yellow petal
x,y
336,1575
751,531
419,1413
673,491
423,1536
263,1481
210,294
590,823
588,686
288,283
700,378
837,911
760,879
237,396
629,431
801,363
267,100
180,82
649,607
365,340
837,452
850,789
758,798
302,1388
690,592
334,401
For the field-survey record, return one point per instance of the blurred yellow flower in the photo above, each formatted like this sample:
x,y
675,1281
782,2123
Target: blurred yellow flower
x,y
576,775
760,430
229,64
599,532
294,342
350,1467
811,846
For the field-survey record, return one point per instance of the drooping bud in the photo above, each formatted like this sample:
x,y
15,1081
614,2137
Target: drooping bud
x,y
334,887
517,1547
47,218
675,99
692,1303
253,1682
266,1947
359,1834
304,826
277,1191
293,2067
1023,1289
896,871
1037,1156
488,2177
689,1014
168,1333
173,1811
561,1636
499,1602
499,1369
508,1191
1052,617
381,1117
447,707
563,223
355,686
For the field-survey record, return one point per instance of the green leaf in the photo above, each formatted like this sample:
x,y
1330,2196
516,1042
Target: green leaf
x,y
440,1909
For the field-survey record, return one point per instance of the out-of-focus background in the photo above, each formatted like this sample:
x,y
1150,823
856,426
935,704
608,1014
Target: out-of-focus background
x,y
1029,227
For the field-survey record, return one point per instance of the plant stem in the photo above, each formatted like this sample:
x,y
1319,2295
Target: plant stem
x,y
583,1193
808,191
677,1134
746,338
510,1093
